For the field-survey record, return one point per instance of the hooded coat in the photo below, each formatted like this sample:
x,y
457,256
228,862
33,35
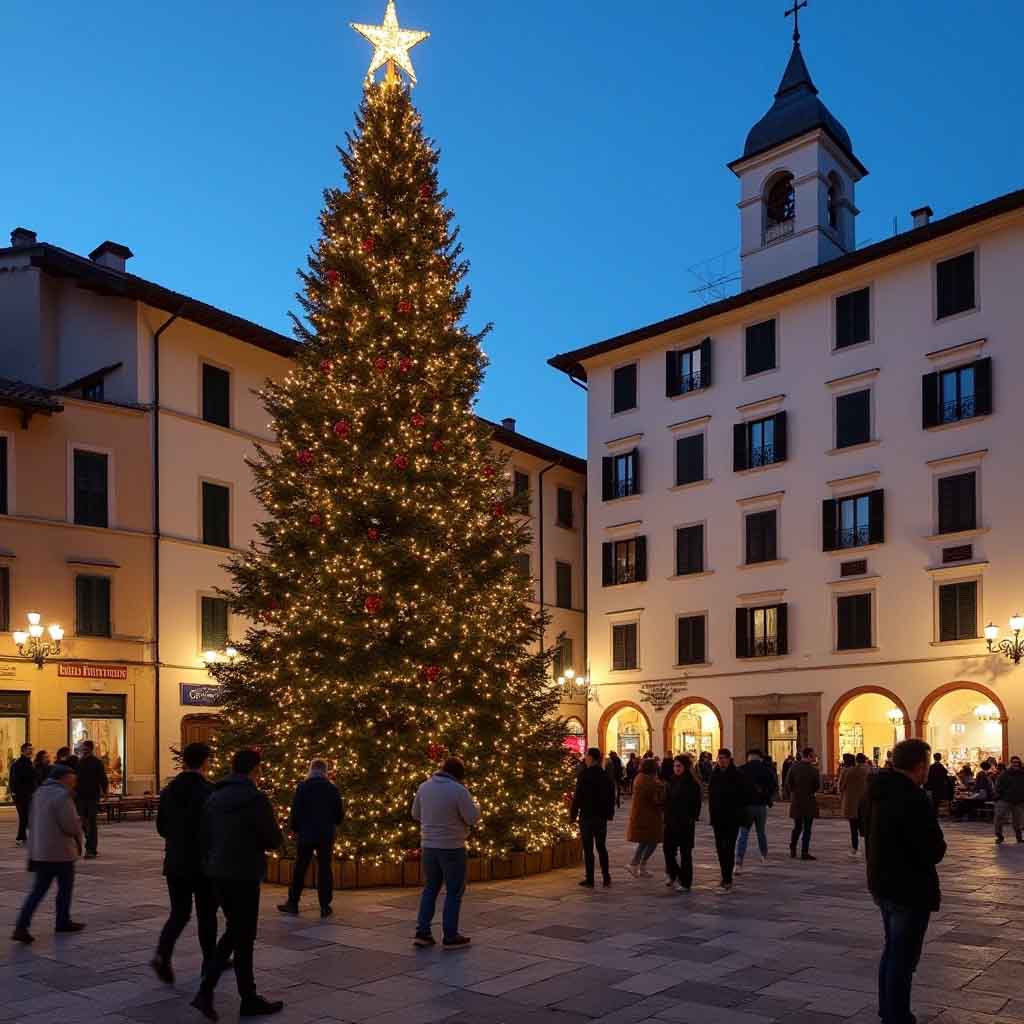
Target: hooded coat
x,y
239,826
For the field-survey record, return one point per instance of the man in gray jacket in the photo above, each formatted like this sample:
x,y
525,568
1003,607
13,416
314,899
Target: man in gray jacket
x,y
446,812
54,844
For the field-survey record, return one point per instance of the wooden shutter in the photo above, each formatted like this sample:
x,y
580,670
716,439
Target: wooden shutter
x,y
607,564
684,651
3,476
781,441
770,523
672,383
739,447
631,652
983,386
216,512
967,610
853,419
963,282
625,388
5,599
565,516
930,400
966,501
216,395
829,524
689,550
618,647
607,478
563,585
705,363
690,459
742,633
755,539
948,612
92,605
782,627
876,516
214,623
697,639
862,620
641,558
91,489
861,321
844,623
634,458
947,504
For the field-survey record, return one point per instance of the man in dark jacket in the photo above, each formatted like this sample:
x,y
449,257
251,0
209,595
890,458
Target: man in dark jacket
x,y
593,805
761,785
728,799
179,820
613,766
665,770
683,797
317,811
238,827
1010,800
937,785
802,784
903,844
92,788
22,785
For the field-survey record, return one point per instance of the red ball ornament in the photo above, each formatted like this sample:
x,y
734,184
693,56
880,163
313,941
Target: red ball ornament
x,y
380,363
437,751
438,446
431,672
373,603
272,604
404,364
497,509
425,192
405,306
368,245
315,519
332,276
400,462
305,457
488,472
417,420
326,366
342,428
373,534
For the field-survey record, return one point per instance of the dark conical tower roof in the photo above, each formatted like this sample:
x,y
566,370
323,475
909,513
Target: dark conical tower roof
x,y
795,112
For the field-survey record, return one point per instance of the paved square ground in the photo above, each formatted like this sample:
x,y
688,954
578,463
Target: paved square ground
x,y
795,942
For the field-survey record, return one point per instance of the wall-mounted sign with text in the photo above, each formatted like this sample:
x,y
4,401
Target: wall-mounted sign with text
x,y
201,695
76,671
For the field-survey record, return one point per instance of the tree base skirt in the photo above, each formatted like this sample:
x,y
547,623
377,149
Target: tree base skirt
x,y
354,874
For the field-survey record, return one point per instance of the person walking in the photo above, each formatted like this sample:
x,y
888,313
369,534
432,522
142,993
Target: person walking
x,y
705,766
802,783
446,813
317,811
54,844
645,828
728,799
683,798
616,773
937,786
179,821
92,788
760,783
41,766
787,763
22,784
238,827
1010,800
903,844
593,806
853,784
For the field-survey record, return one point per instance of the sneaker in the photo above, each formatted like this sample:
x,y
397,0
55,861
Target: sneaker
x,y
424,940
22,935
459,942
587,883
738,868
807,856
257,1006
633,870
288,908
326,912
162,969
71,926
19,842
203,1002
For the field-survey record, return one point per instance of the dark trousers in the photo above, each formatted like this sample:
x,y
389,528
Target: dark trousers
x,y
677,845
324,879
801,826
447,867
88,809
594,832
182,890
904,938
725,847
854,833
240,902
22,803
46,871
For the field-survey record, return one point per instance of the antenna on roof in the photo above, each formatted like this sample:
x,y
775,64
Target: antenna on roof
x,y
717,277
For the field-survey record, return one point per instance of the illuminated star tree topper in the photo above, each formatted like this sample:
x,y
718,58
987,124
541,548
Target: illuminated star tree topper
x,y
391,44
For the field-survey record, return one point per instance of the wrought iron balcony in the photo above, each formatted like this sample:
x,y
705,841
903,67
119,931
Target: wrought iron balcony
x,y
762,456
623,488
854,536
764,647
691,382
959,409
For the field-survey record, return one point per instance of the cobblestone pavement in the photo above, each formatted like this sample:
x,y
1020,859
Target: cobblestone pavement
x,y
795,942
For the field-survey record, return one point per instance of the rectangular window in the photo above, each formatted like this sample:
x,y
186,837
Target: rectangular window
x,y
956,394
761,632
853,622
91,471
3,476
563,585
853,318
958,611
853,418
957,503
690,459
216,395
854,520
624,561
961,393
564,508
624,388
954,282
214,616
216,515
5,599
520,484
523,563
562,659
620,475
690,550
92,605
690,650
688,370
761,537
624,648
760,348
759,442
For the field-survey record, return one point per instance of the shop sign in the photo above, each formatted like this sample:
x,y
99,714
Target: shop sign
x,y
77,671
201,695
659,693
15,704
94,705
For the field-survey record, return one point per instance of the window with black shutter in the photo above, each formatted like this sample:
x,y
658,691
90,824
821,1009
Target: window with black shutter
x,y
91,489
853,418
761,632
216,517
853,521
957,503
761,537
853,622
562,659
624,388
690,650
3,476
759,442
624,647
5,599
690,550
954,282
958,611
92,605
690,459
853,318
624,561
620,475
214,615
688,369
564,507
216,395
520,483
760,347
563,585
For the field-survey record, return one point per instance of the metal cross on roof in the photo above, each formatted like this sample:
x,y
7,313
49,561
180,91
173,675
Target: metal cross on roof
x,y
795,11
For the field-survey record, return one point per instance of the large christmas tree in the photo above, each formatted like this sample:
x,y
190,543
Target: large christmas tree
x,y
391,625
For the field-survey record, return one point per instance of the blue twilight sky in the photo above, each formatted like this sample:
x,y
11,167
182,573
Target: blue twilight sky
x,y
584,143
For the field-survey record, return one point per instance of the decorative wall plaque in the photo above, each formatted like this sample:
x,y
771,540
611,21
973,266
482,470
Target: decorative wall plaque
x,y
660,693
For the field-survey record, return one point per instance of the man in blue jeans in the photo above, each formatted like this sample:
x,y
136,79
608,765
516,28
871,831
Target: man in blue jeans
x,y
446,813
761,785
903,844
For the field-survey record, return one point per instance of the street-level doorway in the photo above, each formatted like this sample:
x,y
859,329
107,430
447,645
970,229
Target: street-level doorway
x,y
199,729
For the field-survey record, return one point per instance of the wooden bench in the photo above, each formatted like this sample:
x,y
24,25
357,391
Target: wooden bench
x,y
119,807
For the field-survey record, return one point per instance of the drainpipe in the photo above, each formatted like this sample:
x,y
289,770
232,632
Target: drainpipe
x,y
156,536
540,537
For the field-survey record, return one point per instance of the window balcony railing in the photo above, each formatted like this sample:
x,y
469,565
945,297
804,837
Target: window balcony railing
x,y
854,536
625,574
959,409
762,456
764,646
691,382
623,488
773,232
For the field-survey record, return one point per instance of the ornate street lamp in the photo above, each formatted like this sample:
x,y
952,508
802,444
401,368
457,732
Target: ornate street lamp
x,y
987,713
895,716
212,657
573,685
31,643
1014,648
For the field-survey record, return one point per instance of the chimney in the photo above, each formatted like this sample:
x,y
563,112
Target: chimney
x,y
509,424
21,237
922,216
111,254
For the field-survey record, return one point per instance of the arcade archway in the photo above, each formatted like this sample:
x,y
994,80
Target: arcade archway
x,y
692,727
868,720
965,722
626,729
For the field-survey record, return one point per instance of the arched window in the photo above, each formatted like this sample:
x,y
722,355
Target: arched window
x,y
779,208
835,192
